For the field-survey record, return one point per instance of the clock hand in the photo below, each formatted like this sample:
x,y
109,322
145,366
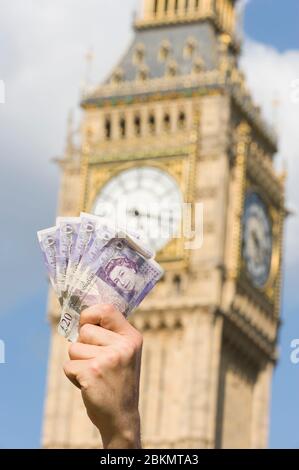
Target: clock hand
x,y
137,213
256,240
261,252
256,243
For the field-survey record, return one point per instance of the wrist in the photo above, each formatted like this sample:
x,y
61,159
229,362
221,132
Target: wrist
x,y
125,436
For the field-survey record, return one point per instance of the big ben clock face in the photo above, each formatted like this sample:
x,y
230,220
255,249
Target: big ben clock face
x,y
146,200
257,240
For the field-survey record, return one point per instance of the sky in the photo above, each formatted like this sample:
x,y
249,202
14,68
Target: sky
x,y
42,48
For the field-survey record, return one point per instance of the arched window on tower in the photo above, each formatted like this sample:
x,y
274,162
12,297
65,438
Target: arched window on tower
x,y
143,73
198,65
196,4
137,125
152,124
164,51
117,76
190,48
166,122
177,282
182,120
139,54
166,5
122,127
155,10
108,128
176,6
172,68
186,5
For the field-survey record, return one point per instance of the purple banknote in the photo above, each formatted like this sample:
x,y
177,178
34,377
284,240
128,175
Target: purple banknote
x,y
119,275
86,235
66,238
47,241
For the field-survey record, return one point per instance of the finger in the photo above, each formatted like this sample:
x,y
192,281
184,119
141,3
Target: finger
x,y
72,370
106,316
96,335
80,351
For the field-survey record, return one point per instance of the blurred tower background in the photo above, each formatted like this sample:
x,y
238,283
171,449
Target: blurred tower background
x,y
176,108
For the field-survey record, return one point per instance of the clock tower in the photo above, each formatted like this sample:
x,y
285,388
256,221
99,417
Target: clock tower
x,y
174,122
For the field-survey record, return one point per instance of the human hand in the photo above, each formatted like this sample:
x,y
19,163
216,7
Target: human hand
x,y
105,365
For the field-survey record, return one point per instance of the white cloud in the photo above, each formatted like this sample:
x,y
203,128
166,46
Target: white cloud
x,y
42,47
272,75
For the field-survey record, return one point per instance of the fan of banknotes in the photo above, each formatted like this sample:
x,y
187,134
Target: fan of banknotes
x,y
89,262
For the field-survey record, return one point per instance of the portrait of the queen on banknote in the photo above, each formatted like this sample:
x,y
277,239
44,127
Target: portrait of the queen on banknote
x,y
120,271
121,274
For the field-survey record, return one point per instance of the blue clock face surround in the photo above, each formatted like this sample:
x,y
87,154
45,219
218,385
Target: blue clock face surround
x,y
257,239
